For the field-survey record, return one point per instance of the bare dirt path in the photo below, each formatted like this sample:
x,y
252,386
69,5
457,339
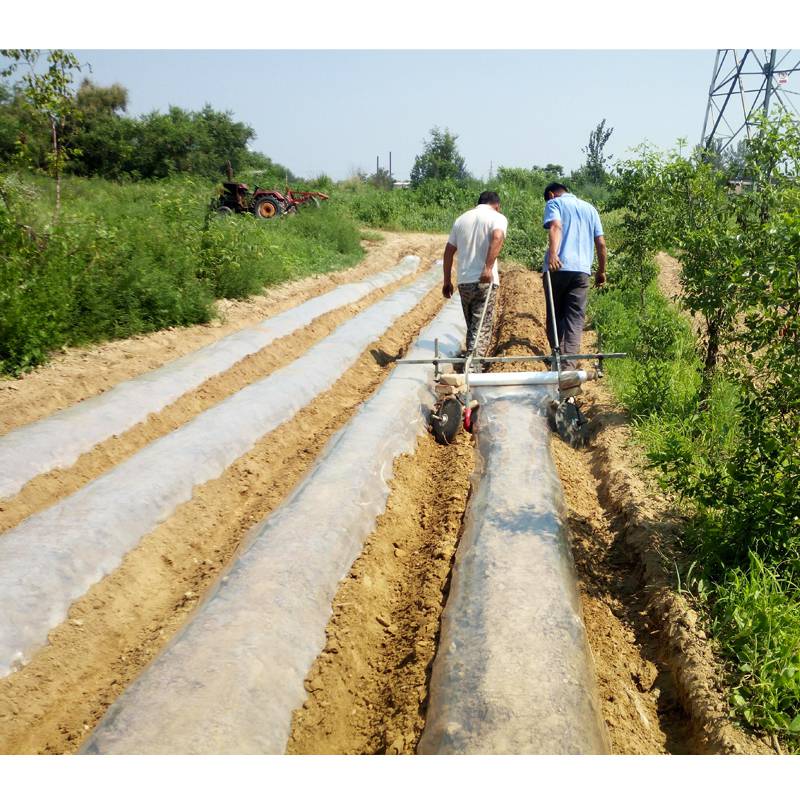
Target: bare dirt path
x,y
78,373
669,276
369,687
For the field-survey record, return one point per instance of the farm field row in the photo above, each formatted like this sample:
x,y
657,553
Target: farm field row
x,y
368,688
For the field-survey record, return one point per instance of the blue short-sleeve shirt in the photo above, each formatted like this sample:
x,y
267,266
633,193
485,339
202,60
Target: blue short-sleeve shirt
x,y
580,223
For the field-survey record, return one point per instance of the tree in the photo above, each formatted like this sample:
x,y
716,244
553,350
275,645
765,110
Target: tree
x,y
101,137
596,160
381,179
439,160
52,95
636,192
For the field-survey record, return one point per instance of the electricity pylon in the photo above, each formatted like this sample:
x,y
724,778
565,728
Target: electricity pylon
x,y
744,84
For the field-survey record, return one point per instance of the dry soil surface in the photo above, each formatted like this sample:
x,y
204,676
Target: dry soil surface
x,y
116,629
368,689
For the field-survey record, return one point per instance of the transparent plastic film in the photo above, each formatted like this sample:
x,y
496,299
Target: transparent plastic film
x,y
513,671
229,682
60,439
52,558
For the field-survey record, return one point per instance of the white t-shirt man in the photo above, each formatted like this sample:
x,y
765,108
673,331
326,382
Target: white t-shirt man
x,y
471,235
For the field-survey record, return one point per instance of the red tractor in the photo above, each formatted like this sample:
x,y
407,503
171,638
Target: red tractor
x,y
264,203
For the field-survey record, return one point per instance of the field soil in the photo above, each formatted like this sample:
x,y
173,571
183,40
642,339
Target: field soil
x,y
368,689
116,629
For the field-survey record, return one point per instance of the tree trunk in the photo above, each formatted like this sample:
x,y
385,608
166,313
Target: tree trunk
x,y
57,168
710,363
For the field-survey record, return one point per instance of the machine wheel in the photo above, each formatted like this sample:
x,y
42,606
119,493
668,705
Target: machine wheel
x,y
267,208
224,211
446,420
569,422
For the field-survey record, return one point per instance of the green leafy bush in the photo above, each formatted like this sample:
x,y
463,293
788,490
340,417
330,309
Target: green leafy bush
x,y
136,257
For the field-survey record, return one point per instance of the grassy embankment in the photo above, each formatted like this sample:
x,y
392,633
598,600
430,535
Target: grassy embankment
x,y
128,258
750,602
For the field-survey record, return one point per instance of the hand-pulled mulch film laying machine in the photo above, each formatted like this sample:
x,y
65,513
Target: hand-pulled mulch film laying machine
x,y
455,404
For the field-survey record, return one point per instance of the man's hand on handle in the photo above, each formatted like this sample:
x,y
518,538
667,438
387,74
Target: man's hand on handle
x,y
553,262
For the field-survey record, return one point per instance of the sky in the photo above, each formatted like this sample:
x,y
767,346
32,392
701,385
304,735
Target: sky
x,y
334,111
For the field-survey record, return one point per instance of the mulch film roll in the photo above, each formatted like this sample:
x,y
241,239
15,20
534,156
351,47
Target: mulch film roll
x,y
57,441
230,680
513,672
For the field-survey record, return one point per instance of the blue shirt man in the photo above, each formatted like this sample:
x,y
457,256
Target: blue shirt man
x,y
580,227
574,233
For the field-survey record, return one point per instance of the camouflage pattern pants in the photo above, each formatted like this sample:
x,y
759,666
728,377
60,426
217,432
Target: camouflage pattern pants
x,y
473,296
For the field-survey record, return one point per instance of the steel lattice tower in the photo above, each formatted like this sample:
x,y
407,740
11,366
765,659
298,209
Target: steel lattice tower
x,y
744,84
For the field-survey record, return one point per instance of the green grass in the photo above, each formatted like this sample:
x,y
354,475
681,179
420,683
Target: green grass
x,y
756,618
752,601
128,258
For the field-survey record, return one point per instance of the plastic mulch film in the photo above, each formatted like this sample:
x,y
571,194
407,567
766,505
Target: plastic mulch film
x,y
53,557
60,439
230,680
513,672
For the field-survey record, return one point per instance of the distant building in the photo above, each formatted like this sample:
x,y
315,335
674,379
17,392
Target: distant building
x,y
401,184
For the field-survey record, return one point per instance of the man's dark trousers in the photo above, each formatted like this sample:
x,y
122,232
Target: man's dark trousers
x,y
570,294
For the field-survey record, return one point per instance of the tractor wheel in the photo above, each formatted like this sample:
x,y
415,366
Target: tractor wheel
x,y
224,211
446,420
267,208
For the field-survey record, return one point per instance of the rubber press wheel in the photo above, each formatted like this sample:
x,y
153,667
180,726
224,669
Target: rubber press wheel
x,y
446,420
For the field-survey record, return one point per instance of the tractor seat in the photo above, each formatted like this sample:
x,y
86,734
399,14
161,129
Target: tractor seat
x,y
235,187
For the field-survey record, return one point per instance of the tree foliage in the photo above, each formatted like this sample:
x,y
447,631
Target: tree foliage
x,y
439,160
101,140
596,159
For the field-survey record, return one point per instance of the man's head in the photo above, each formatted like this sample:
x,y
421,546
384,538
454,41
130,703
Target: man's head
x,y
490,199
554,190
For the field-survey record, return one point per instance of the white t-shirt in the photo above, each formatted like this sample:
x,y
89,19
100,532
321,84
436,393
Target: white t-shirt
x,y
470,235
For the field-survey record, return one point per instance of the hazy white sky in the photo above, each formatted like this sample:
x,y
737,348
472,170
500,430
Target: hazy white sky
x,y
335,111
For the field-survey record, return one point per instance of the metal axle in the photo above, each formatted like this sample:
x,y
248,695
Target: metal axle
x,y
506,359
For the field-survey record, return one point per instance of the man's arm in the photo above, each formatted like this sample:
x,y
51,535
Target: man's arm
x,y
495,246
447,283
554,244
600,247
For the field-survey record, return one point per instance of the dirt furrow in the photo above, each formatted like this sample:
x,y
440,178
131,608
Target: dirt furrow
x,y
636,690
123,621
47,489
81,372
368,689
